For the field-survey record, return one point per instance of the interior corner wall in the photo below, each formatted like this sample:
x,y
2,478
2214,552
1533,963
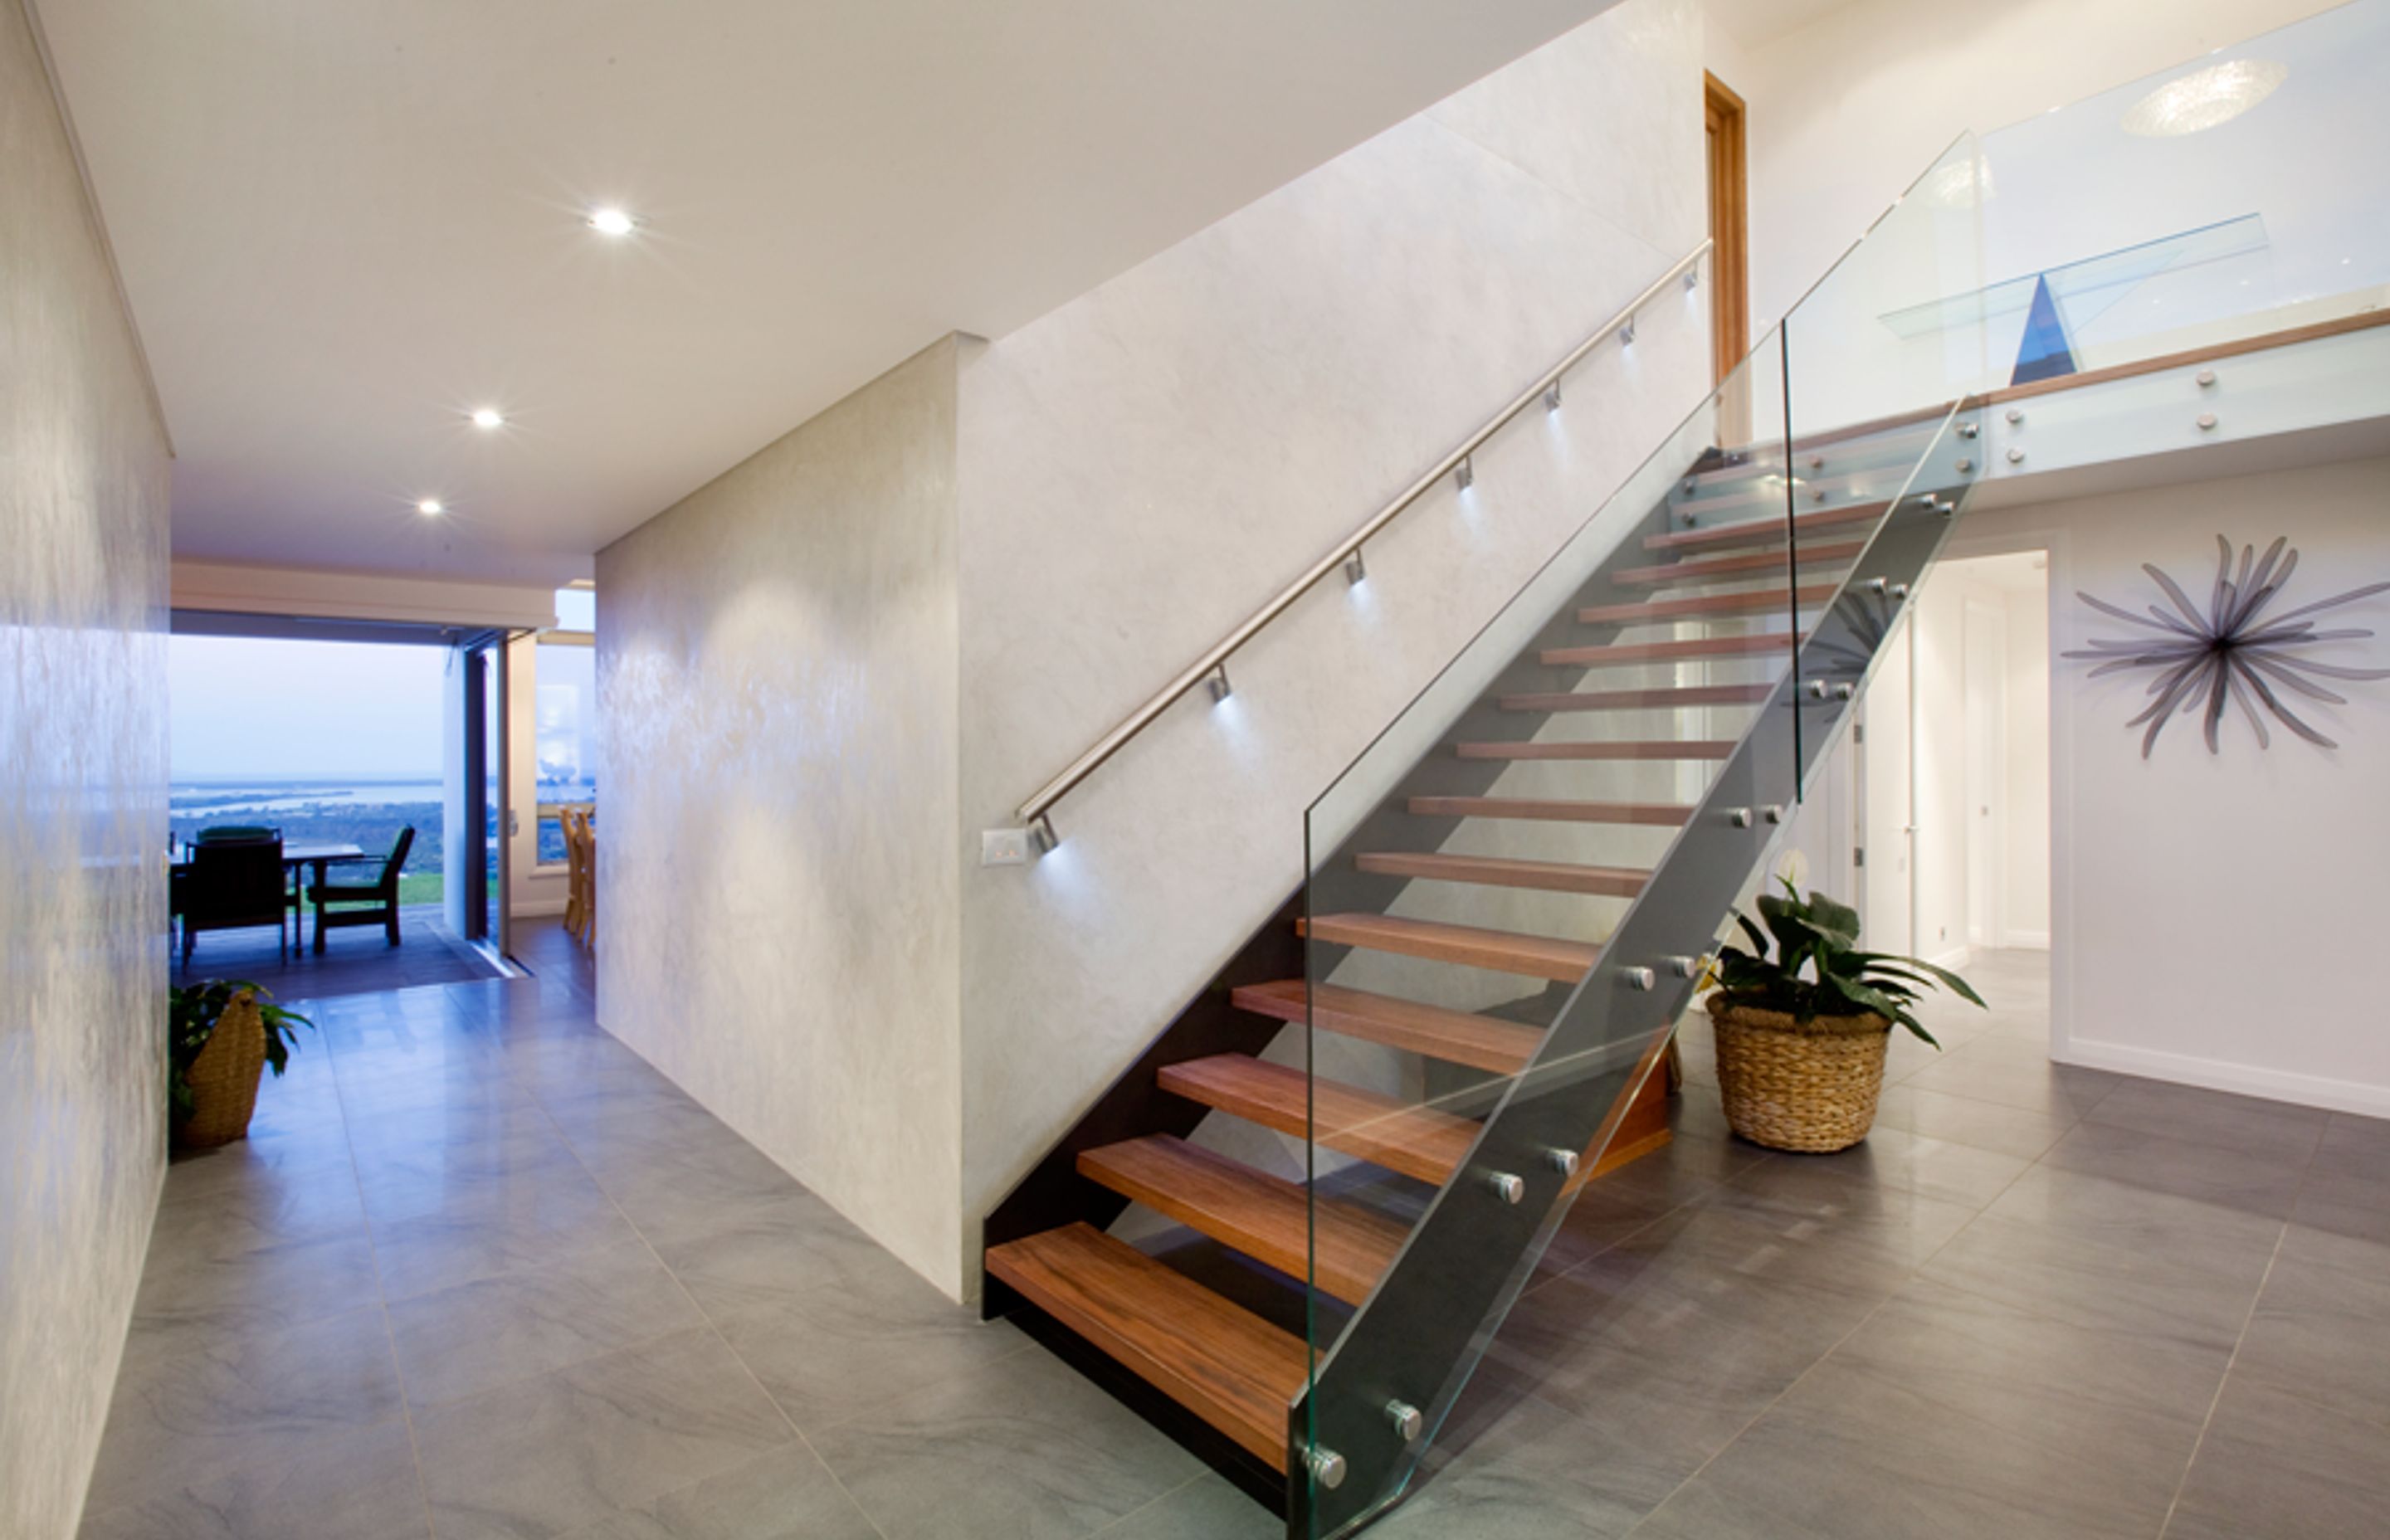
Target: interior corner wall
x,y
2211,913
1142,468
776,872
84,472
1842,114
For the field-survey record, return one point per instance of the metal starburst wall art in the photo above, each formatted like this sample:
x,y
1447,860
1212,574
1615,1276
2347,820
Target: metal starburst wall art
x,y
2231,653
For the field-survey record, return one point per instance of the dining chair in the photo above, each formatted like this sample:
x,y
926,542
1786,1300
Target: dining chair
x,y
374,903
235,884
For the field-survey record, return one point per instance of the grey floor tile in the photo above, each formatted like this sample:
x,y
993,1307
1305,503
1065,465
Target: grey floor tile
x,y
2157,1163
289,1197
828,1320
525,1168
1985,1070
1025,1448
2195,1290
520,1227
784,1495
2276,1467
1205,1509
687,1190
1486,1501
2344,1203
208,1281
2272,1129
2124,1214
578,1445
1855,1235
456,1342
191,1410
357,1486
1965,1119
2354,1146
1889,1158
2321,1331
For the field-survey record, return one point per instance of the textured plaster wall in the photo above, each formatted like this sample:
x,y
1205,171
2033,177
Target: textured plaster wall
x,y
1142,468
776,866
82,811
825,675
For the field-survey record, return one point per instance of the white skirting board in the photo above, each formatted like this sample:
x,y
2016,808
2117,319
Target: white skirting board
x,y
2248,1080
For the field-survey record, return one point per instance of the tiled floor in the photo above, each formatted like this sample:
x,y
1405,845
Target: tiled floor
x,y
355,960
483,1272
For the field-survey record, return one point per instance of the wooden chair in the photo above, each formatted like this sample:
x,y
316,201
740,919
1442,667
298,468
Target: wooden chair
x,y
581,886
378,898
235,884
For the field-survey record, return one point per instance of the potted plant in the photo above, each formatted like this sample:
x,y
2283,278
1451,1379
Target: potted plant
x,y
1802,1033
220,1035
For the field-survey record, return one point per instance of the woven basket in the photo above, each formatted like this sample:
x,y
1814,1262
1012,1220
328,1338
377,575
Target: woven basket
x,y
1790,1085
224,1077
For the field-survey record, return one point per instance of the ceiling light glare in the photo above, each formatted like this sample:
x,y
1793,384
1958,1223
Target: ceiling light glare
x,y
432,508
489,416
2204,98
1962,184
610,221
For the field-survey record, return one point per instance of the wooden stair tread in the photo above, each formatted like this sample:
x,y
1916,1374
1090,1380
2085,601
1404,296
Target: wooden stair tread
x,y
1454,1036
1220,1361
1266,1217
1701,568
1618,655
1634,749
1665,698
1402,1136
1658,814
1559,877
1504,951
1764,531
1757,601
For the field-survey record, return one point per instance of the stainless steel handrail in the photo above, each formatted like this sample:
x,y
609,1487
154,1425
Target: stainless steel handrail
x,y
1035,809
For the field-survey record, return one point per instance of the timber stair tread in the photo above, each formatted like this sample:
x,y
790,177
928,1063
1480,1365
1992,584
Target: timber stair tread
x,y
1552,810
1454,1036
1764,531
1266,1217
1756,601
1703,569
1550,958
1402,1136
1667,697
1219,1360
1559,877
1627,749
1618,655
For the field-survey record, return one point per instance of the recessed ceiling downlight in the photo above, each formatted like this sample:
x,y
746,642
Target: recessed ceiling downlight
x,y
611,220
432,508
489,416
2204,97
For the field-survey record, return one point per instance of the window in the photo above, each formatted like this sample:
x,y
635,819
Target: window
x,y
564,717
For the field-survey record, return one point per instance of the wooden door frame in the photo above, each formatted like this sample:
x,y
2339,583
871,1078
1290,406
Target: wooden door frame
x,y
1729,211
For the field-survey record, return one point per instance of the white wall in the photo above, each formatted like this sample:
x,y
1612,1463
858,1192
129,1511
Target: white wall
x,y
777,865
1846,113
2212,915
83,471
1144,467
1122,480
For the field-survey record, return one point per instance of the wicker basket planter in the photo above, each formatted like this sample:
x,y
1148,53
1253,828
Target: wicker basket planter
x,y
224,1078
1790,1085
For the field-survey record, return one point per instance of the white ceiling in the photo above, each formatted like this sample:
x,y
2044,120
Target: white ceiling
x,y
343,226
1753,22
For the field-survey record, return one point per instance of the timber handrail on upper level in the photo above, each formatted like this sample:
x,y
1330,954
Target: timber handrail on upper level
x,y
1034,810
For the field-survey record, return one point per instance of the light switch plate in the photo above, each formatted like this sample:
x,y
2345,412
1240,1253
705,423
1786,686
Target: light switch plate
x,y
1004,847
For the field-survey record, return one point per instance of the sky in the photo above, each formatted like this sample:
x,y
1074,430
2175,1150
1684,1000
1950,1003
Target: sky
x,y
289,711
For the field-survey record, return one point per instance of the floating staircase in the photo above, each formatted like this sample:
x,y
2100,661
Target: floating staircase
x,y
1448,974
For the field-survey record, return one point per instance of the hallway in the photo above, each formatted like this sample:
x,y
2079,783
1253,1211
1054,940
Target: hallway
x,y
481,1272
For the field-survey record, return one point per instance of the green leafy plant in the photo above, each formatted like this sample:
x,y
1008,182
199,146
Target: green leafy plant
x,y
192,1012
1817,968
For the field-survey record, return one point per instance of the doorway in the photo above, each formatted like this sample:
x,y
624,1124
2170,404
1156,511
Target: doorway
x,y
1954,824
1729,227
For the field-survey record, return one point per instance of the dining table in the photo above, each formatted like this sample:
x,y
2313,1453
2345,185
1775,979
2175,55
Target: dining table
x,y
297,855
